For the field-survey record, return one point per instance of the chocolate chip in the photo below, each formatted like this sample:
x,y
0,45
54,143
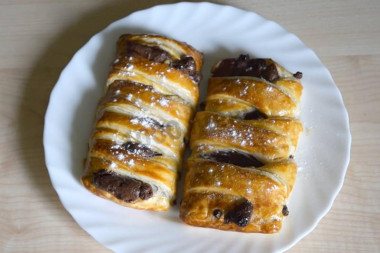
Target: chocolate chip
x,y
270,73
240,213
217,213
285,211
243,57
291,157
233,157
124,188
188,66
139,149
241,64
298,75
255,114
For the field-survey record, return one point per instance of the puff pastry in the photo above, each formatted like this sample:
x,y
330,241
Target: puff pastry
x,y
241,172
142,121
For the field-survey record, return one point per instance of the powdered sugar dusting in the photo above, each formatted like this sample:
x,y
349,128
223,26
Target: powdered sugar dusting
x,y
129,97
211,125
145,121
115,146
244,91
120,156
164,102
218,126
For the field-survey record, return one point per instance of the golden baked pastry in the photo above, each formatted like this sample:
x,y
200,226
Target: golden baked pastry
x,y
142,121
241,169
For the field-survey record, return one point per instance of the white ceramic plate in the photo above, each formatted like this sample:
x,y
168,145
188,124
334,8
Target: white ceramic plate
x,y
219,32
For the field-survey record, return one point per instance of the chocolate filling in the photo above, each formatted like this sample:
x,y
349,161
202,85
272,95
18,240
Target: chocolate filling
x,y
240,213
188,66
123,188
285,211
244,66
233,157
139,149
255,114
154,53
298,75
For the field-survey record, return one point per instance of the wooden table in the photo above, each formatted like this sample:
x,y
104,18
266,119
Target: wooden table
x,y
38,38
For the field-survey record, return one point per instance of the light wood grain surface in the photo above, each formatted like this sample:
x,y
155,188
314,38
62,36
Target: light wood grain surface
x,y
38,38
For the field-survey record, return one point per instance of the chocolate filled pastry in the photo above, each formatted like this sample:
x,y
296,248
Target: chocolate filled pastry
x,y
142,122
241,170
